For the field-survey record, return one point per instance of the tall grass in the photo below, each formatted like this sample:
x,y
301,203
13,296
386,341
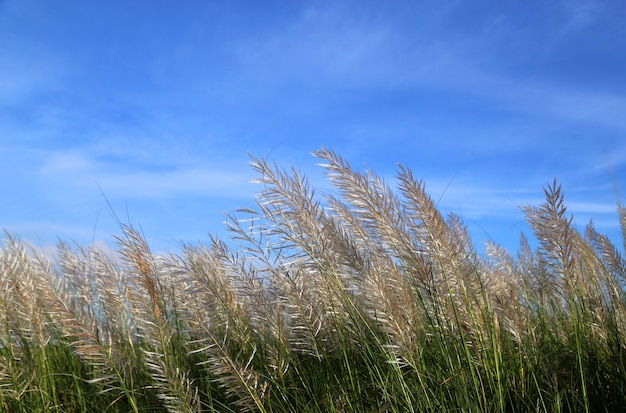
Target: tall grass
x,y
364,299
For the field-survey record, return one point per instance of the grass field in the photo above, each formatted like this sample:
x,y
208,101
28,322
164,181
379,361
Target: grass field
x,y
366,300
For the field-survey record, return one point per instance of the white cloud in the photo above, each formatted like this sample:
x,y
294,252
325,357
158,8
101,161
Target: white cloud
x,y
64,164
602,109
581,13
326,45
198,182
27,68
22,76
76,170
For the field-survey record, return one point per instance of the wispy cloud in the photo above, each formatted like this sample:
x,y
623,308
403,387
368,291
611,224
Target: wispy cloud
x,y
487,102
77,170
323,42
582,14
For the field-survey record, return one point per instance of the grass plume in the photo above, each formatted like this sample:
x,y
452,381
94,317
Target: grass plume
x,y
363,299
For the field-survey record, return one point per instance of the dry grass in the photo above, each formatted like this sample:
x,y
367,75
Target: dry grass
x,y
366,299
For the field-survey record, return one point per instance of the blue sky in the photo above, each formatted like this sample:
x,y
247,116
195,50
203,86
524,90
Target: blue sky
x,y
158,105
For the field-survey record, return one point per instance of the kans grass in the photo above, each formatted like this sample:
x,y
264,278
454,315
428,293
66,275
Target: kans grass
x,y
363,299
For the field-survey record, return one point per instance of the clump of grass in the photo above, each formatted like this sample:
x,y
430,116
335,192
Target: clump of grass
x,y
366,299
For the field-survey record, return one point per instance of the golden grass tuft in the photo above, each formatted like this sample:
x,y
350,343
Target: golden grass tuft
x,y
365,298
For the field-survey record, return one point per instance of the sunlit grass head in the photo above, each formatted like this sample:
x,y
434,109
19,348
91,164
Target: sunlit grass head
x,y
362,298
